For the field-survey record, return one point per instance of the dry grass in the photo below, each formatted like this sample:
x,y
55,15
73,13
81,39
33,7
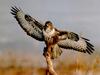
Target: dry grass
x,y
11,66
72,69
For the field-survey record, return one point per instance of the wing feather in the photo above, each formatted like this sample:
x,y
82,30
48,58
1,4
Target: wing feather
x,y
32,27
75,43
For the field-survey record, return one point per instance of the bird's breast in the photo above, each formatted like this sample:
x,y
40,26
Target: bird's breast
x,y
51,37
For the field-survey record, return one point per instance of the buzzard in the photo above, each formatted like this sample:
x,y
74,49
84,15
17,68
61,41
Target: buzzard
x,y
53,37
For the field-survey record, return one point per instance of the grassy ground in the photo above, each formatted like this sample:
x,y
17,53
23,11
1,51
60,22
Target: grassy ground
x,y
61,68
11,65
73,69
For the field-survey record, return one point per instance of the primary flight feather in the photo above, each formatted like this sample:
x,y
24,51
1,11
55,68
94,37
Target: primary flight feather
x,y
51,35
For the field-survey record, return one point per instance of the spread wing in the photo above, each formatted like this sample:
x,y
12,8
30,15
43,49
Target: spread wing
x,y
32,27
70,40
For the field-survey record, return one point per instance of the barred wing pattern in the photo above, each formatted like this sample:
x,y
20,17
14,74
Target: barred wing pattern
x,y
32,27
75,42
68,40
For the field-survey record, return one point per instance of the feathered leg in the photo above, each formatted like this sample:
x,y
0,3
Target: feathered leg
x,y
54,51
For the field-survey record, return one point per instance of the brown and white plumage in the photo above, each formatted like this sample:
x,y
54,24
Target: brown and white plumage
x,y
32,27
50,35
69,40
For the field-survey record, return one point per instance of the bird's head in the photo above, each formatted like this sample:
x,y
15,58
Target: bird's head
x,y
48,27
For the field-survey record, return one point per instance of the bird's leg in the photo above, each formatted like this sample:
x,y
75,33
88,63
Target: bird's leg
x,y
47,49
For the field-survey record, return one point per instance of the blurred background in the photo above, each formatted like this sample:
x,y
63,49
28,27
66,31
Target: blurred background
x,y
80,16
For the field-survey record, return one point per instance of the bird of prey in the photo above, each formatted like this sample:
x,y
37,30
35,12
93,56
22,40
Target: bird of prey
x,y
52,36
